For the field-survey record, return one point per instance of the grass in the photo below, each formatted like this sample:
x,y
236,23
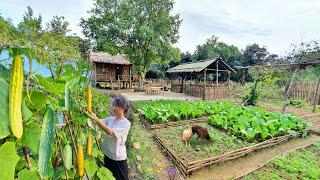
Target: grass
x,y
300,164
200,149
150,165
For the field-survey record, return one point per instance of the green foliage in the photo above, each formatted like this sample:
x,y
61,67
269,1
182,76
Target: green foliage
x,y
8,160
26,174
161,111
254,54
253,123
4,94
31,137
105,174
297,102
90,167
60,54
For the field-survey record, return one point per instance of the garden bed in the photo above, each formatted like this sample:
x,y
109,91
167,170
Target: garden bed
x,y
224,147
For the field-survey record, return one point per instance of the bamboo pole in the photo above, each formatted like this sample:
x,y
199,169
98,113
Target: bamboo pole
x,y
316,97
289,89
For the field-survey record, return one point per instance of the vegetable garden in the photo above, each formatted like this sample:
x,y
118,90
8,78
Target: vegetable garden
x,y
235,130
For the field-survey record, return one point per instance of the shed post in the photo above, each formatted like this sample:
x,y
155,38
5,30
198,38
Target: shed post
x,y
217,74
229,83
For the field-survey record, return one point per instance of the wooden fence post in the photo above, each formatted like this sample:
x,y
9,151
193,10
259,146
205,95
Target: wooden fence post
x,y
315,99
289,89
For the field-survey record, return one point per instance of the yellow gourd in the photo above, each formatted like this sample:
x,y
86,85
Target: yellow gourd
x,y
89,98
89,145
15,96
80,160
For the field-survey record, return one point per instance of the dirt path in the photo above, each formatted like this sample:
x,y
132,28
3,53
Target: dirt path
x,y
242,166
139,96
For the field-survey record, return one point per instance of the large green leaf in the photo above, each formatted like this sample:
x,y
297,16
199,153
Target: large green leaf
x,y
8,160
26,174
52,87
38,100
31,137
26,113
91,167
4,115
105,174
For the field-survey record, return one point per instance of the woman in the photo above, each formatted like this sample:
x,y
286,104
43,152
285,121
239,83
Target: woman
x,y
116,128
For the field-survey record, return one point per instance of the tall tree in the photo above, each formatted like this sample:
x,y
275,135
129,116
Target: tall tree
x,y
206,50
58,25
144,30
254,54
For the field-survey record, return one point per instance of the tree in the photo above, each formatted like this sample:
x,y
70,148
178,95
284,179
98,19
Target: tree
x,y
206,50
58,26
253,55
144,30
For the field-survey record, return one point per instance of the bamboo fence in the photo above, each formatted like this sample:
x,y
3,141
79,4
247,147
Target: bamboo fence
x,y
208,91
305,91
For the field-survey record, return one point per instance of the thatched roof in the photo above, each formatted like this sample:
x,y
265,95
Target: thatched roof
x,y
199,66
103,57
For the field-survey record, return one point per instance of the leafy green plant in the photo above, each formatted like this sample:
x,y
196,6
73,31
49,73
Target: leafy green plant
x,y
161,111
253,123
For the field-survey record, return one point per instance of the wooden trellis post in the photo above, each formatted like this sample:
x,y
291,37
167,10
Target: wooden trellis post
x,y
289,89
315,99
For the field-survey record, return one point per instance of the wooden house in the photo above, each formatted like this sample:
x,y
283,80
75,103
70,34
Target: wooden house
x,y
115,70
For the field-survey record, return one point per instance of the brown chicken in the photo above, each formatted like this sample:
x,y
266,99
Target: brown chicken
x,y
201,132
186,135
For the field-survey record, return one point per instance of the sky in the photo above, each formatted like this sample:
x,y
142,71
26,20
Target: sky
x,y
275,24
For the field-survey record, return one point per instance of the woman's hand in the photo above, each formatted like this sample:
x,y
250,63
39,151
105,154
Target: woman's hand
x,y
92,116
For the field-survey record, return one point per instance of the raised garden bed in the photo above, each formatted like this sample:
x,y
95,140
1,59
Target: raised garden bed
x,y
203,153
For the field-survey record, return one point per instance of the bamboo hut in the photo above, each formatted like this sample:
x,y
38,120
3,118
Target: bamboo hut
x,y
204,89
116,70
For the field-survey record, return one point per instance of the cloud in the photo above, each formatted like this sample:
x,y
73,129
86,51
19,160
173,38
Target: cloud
x,y
273,23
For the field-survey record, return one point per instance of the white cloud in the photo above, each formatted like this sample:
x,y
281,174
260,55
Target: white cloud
x,y
273,23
